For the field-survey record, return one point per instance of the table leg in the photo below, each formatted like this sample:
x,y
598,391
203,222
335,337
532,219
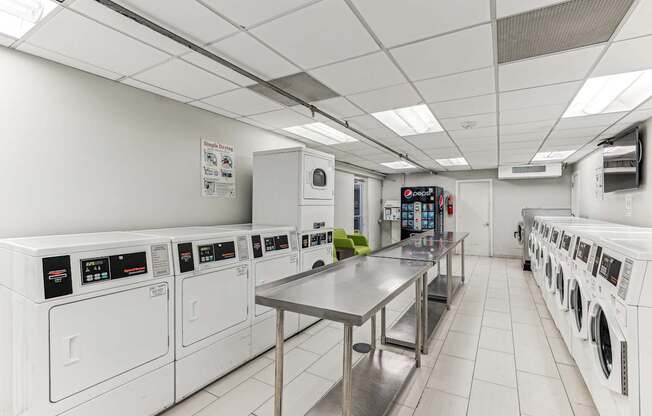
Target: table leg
x,y
417,341
383,325
463,261
449,280
278,377
424,313
373,331
347,400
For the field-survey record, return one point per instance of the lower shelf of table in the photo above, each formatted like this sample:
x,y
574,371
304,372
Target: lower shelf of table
x,y
376,382
403,332
437,288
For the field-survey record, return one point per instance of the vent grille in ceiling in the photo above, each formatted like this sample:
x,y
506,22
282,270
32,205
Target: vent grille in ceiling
x,y
529,169
568,25
300,85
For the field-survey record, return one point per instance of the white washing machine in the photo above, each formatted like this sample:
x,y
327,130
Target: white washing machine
x,y
87,325
316,250
214,303
274,256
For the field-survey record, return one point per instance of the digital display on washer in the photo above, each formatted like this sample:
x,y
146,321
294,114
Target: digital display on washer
x,y
100,269
95,270
224,250
583,252
317,239
566,242
555,236
277,242
610,269
206,253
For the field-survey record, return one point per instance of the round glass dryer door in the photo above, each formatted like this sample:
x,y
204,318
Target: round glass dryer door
x,y
560,284
578,307
602,338
549,272
318,263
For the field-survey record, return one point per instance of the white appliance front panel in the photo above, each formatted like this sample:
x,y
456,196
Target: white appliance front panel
x,y
99,338
316,258
319,178
272,269
313,217
214,302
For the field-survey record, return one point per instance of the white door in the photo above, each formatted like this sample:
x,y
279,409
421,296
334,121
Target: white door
x,y
319,178
474,216
214,302
99,338
273,269
575,194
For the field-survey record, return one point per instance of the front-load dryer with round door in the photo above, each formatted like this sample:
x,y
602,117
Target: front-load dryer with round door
x,y
87,325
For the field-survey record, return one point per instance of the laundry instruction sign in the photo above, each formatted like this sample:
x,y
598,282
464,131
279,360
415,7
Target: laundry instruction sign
x,y
217,169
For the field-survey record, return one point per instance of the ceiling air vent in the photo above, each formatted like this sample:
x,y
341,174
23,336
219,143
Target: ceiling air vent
x,y
551,170
300,85
567,25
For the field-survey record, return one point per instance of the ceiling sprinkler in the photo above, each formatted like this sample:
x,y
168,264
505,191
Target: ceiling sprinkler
x,y
467,125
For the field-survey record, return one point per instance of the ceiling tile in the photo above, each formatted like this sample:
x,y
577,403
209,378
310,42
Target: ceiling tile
x,y
155,90
524,137
510,7
457,52
469,122
102,14
443,153
548,147
213,109
6,40
339,106
397,96
217,69
263,126
249,12
637,116
589,121
74,63
520,128
186,18
522,147
546,69
118,53
581,132
638,23
532,114
380,133
307,38
479,146
397,22
480,156
467,84
531,97
614,130
646,105
484,132
365,122
365,73
281,118
431,140
474,105
246,51
619,57
243,101
185,79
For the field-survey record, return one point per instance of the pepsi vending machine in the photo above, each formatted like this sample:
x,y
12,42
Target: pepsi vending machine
x,y
422,209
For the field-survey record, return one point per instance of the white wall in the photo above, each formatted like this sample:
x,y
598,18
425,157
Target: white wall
x,y
510,197
344,200
374,211
612,206
80,153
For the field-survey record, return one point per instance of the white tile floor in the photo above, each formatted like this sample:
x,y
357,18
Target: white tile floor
x,y
497,353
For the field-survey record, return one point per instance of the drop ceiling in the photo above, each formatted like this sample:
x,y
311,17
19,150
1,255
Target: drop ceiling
x,y
374,55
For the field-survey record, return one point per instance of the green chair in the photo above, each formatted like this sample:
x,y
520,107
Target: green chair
x,y
348,245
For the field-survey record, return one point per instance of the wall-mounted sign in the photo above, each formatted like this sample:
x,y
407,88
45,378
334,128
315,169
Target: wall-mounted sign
x,y
217,169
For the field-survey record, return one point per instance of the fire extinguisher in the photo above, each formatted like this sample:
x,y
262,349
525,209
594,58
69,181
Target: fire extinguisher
x,y
449,204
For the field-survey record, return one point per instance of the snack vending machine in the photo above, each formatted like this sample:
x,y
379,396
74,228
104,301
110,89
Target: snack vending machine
x,y
422,209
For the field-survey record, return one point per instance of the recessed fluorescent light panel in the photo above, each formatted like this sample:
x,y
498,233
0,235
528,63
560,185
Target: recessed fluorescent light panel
x,y
552,156
409,121
611,94
321,133
17,17
399,164
456,161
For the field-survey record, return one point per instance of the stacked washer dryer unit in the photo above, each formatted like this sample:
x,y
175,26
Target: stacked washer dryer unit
x,y
615,364
213,302
296,186
88,325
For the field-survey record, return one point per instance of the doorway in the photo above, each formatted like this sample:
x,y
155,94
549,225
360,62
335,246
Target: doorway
x,y
575,194
359,206
474,215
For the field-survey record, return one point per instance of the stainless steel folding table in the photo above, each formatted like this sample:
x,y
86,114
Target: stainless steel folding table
x,y
352,292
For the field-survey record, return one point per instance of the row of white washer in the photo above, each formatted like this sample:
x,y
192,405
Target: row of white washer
x,y
131,322
593,277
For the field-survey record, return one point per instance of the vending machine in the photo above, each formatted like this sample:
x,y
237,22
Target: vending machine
x,y
422,209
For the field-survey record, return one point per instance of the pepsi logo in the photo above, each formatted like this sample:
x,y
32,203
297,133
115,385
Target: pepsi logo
x,y
407,193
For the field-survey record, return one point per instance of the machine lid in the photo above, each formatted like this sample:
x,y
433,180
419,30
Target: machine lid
x,y
256,228
181,234
72,243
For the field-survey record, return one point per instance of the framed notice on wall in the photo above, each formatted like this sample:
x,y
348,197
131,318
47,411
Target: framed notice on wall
x,y
217,169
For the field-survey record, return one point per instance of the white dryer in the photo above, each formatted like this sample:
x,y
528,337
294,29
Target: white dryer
x,y
214,303
316,251
88,325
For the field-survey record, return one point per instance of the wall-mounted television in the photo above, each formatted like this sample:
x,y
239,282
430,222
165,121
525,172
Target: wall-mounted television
x,y
621,161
